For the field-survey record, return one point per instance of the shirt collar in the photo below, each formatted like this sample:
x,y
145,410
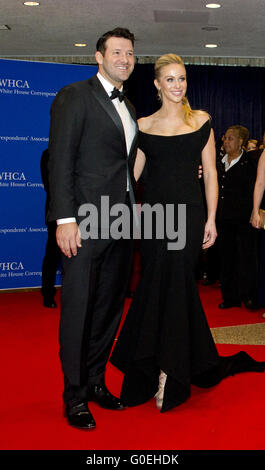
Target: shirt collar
x,y
106,84
225,159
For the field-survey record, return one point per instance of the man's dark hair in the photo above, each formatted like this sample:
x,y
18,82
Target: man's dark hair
x,y
115,33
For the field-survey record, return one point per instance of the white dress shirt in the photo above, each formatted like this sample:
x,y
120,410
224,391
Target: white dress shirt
x,y
128,123
232,163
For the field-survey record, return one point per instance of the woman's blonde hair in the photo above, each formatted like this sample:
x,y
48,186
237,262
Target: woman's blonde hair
x,y
167,59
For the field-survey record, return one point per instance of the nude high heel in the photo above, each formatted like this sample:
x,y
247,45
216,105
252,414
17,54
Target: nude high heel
x,y
160,393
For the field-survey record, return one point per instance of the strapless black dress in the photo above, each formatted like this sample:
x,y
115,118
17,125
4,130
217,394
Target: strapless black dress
x,y
166,328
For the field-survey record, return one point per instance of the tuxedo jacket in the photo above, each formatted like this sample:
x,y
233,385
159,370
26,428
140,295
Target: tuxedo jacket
x,y
236,188
87,150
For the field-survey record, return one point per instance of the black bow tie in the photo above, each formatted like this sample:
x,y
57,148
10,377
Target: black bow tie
x,y
117,94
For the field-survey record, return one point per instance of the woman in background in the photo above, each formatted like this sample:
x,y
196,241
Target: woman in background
x,y
259,203
258,198
238,242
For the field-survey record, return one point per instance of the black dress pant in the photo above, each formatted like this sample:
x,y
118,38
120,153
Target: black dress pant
x,y
238,244
93,292
212,262
50,263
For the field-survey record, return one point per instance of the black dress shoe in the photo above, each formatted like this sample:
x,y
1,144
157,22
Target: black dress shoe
x,y
250,305
224,305
100,394
49,303
79,416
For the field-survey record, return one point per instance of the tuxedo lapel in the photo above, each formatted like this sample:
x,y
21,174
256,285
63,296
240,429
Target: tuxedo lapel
x,y
134,143
130,108
133,116
101,95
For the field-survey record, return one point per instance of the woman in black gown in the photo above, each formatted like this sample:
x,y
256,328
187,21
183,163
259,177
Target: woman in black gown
x,y
165,344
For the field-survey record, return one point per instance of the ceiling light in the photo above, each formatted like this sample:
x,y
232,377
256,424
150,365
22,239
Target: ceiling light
x,y
4,27
210,28
31,4
211,46
213,5
80,45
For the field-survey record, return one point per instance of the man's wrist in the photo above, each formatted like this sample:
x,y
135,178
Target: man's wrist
x,y
67,220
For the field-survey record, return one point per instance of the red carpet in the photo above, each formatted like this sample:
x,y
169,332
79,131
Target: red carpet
x,y
229,416
211,298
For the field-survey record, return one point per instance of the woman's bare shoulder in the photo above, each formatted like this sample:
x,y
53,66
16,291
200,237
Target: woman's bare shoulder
x,y
145,123
201,117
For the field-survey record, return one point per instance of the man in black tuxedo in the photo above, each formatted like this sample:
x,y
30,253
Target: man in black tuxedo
x,y
92,148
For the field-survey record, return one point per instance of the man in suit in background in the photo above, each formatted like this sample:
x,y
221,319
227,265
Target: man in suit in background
x,y
92,148
52,255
